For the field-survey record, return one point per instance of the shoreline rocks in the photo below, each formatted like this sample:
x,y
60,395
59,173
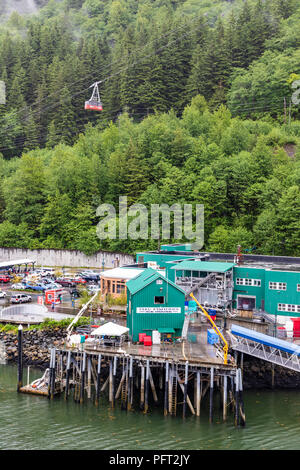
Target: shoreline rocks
x,y
36,346
257,374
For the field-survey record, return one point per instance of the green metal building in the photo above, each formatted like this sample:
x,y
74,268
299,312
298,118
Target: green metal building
x,y
273,288
154,303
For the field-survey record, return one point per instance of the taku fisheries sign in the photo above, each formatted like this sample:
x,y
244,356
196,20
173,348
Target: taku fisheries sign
x,y
158,310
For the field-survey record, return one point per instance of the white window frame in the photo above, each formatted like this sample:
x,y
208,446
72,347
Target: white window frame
x,y
288,308
277,285
246,281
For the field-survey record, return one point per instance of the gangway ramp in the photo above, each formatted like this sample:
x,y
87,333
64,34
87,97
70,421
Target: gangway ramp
x,y
265,347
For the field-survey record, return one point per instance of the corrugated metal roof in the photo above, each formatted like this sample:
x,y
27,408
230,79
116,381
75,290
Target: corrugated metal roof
x,y
207,266
16,262
121,273
146,277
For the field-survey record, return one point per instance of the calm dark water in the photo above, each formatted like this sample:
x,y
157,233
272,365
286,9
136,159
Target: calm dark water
x,y
35,423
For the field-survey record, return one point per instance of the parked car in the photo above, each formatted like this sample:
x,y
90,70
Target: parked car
x,y
20,298
18,286
52,285
90,276
2,294
79,280
4,278
65,282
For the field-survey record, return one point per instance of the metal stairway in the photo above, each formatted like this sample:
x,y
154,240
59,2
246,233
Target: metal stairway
x,y
173,405
267,348
185,327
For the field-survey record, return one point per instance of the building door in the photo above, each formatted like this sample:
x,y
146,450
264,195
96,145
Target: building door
x,y
246,302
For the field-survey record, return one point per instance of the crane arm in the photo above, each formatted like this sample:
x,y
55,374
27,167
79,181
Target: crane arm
x,y
80,313
216,329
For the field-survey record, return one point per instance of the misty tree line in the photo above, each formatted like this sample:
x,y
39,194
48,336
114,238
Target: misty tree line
x,y
193,113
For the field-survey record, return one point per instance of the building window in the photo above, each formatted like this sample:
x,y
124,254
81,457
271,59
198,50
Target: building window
x,y
159,299
245,281
277,285
298,287
288,308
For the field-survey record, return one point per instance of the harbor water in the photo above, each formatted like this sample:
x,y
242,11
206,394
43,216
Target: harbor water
x,y
36,423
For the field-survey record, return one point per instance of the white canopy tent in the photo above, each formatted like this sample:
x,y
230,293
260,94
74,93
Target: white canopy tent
x,y
110,329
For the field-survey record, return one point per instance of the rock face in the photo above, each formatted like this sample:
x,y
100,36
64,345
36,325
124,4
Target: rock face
x,y
257,374
36,346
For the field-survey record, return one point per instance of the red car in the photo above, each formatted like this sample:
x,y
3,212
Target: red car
x,y
79,280
4,278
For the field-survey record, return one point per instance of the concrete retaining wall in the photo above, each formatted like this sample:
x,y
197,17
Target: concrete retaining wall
x,y
68,258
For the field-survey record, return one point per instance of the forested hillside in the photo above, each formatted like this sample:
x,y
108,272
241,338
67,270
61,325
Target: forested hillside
x,y
196,108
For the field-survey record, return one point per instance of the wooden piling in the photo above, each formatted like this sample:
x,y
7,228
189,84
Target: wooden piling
x,y
119,389
166,389
82,378
98,380
198,394
142,395
161,378
89,377
188,401
170,389
113,381
185,389
211,394
52,392
50,374
224,397
241,401
152,386
122,386
20,358
68,369
129,391
110,398
237,408
273,375
147,387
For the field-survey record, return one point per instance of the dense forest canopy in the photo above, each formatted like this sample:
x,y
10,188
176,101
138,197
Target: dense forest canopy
x,y
198,108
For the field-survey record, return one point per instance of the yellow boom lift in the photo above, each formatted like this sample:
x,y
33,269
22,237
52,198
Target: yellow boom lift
x,y
216,329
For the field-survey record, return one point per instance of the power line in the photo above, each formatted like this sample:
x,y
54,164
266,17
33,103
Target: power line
x,y
125,68
22,139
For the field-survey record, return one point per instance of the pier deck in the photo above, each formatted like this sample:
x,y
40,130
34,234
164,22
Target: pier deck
x,y
199,354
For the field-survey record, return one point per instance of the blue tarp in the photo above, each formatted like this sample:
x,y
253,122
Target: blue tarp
x,y
265,339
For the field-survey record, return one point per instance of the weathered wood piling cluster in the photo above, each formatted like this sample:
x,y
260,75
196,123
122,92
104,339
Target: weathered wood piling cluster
x,y
141,382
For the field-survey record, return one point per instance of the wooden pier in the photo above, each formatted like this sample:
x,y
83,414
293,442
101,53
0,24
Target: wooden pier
x,y
139,377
